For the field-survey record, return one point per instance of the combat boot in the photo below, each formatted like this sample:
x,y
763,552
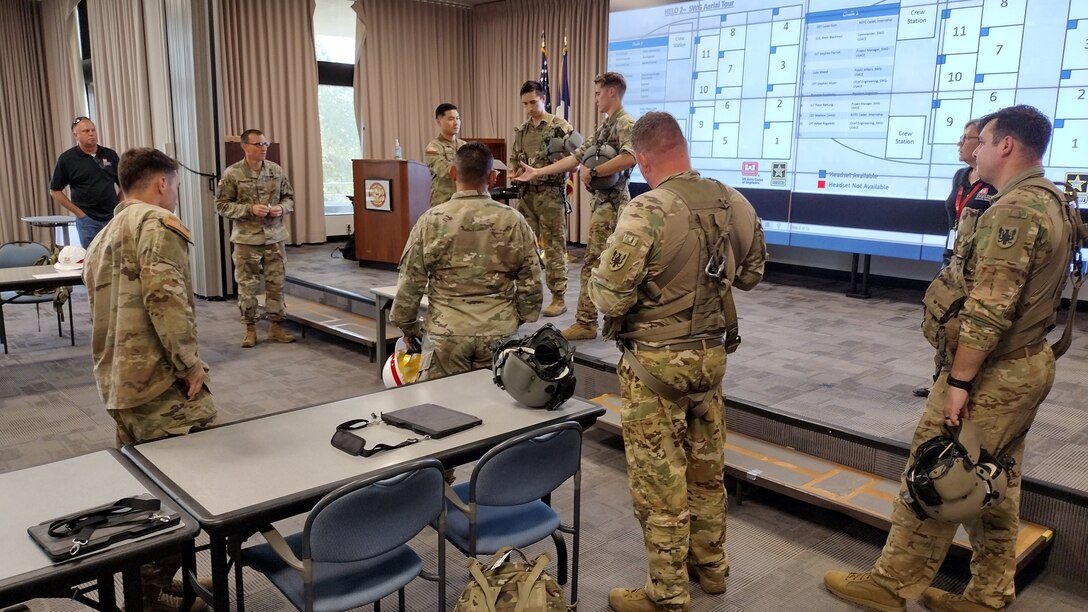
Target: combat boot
x,y
860,588
712,582
942,601
279,334
250,339
557,307
580,331
633,600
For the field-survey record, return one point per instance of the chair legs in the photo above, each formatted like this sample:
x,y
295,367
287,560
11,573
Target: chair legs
x,y
3,330
560,556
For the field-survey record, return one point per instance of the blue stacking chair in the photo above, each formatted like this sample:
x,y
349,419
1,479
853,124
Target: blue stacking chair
x,y
16,255
506,502
354,548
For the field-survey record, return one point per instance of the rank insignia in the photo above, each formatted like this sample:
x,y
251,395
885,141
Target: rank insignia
x,y
1006,236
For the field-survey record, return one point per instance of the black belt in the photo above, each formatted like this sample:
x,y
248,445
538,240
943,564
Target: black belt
x,y
543,187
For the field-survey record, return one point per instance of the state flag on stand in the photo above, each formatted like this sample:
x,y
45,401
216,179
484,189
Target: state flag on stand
x,y
564,105
544,74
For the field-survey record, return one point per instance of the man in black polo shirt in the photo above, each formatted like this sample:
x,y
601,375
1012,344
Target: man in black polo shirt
x,y
90,172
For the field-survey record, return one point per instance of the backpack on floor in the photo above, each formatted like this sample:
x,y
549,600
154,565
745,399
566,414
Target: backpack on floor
x,y
510,585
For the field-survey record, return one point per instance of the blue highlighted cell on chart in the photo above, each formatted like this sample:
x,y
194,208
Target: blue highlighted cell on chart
x,y
1068,143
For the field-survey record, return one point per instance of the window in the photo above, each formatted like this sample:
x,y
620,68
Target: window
x,y
334,44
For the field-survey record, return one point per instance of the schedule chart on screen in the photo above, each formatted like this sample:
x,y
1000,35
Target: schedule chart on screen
x,y
831,100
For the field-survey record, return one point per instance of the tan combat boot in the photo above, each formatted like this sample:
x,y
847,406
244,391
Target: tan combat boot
x,y
250,340
279,334
942,601
557,307
632,600
712,582
580,331
860,588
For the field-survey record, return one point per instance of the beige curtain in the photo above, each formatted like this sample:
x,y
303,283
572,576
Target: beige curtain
x,y
507,35
269,77
413,56
119,70
65,84
25,163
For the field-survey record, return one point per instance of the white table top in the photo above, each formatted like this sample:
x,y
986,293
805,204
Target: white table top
x,y
50,220
390,293
34,495
228,473
24,277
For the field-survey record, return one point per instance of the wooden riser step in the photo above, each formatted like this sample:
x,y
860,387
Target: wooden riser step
x,y
342,323
863,496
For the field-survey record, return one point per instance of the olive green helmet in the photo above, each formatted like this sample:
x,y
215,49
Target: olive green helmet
x,y
537,371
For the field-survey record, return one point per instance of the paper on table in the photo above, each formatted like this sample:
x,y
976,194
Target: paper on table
x,y
65,274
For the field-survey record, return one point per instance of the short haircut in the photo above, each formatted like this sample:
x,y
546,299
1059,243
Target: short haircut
x,y
138,166
473,162
655,133
76,121
532,87
250,132
972,123
1024,123
442,109
612,79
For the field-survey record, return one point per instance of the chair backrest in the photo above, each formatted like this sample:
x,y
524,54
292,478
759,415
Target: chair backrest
x,y
365,519
21,253
528,467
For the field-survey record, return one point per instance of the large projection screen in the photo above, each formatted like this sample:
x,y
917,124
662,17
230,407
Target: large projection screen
x,y
840,119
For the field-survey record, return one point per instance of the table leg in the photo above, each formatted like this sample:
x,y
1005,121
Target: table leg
x,y
220,575
133,587
71,321
384,305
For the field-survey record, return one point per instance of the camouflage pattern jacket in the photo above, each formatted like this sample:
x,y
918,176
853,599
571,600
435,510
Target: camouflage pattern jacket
x,y
240,188
530,146
439,157
615,131
143,326
477,262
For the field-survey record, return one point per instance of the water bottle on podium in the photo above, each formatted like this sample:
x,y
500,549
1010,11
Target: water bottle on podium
x,y
397,152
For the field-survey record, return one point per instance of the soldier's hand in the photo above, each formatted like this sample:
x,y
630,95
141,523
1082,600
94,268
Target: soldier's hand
x,y
583,173
259,210
514,171
525,173
195,382
276,211
955,406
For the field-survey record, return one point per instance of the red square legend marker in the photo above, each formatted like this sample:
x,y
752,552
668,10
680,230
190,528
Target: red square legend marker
x,y
749,168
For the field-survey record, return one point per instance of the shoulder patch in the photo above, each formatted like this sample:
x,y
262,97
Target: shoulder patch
x,y
618,260
174,224
1006,236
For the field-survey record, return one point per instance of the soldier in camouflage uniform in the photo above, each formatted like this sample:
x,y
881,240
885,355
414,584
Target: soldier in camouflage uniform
x,y
607,203
476,260
1010,263
256,195
143,326
544,200
439,152
669,317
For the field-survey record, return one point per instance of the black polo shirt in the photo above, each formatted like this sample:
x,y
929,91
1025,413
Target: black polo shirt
x,y
91,179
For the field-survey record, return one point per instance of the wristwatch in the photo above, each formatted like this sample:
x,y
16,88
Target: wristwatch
x,y
592,173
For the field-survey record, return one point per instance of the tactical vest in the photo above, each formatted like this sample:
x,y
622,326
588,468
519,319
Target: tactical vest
x,y
1042,290
694,301
608,136
538,158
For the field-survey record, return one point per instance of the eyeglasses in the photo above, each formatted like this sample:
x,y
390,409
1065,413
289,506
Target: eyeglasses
x,y
262,144
964,139
76,121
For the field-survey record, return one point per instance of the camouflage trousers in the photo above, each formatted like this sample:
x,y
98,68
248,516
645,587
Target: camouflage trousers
x,y
448,355
606,208
545,209
170,414
675,468
251,262
1006,397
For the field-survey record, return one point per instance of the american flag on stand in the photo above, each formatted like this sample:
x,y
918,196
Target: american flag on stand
x,y
544,74
564,105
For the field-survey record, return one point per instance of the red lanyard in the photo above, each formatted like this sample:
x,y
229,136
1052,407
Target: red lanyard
x,y
961,203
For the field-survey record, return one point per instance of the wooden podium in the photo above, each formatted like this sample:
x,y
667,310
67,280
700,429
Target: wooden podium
x,y
390,195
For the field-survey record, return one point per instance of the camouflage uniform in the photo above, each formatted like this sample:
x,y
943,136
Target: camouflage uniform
x,y
675,464
995,260
439,156
258,241
543,201
143,334
477,262
606,205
